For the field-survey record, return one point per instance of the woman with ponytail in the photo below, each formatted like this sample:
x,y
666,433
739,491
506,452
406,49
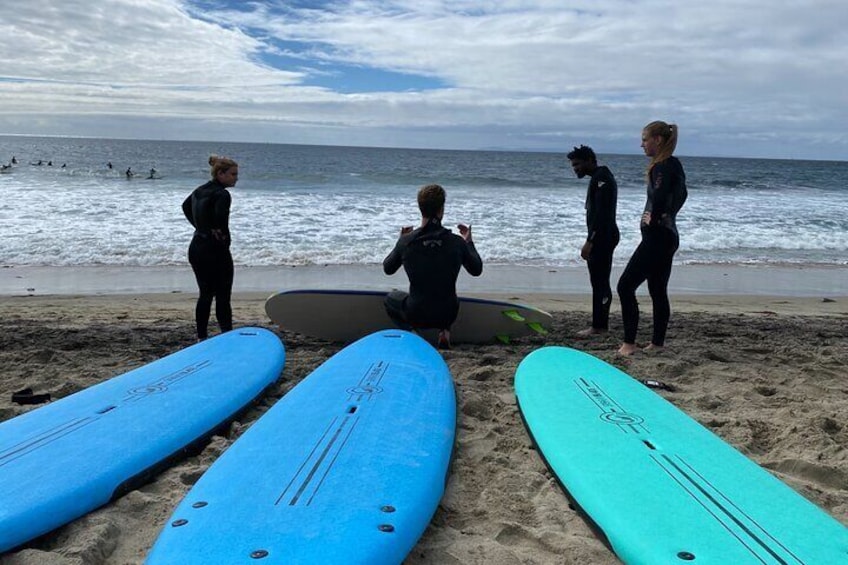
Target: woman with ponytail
x,y
653,257
208,210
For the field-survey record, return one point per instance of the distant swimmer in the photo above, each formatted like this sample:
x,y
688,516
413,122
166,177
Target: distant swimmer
x,y
109,164
14,161
129,173
152,173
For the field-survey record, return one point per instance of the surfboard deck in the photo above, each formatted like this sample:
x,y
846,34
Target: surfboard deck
x,y
69,457
348,467
658,486
347,315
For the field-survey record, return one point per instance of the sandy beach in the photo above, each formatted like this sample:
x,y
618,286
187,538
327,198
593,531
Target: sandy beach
x,y
769,374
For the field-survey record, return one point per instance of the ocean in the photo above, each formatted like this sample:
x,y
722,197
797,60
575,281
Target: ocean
x,y
316,205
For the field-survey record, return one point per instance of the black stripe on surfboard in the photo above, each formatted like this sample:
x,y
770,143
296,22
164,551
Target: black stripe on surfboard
x,y
35,443
716,509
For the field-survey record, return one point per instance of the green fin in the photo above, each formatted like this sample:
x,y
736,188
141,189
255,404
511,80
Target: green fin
x,y
513,315
537,327
503,339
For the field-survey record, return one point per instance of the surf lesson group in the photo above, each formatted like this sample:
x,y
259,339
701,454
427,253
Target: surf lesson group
x,y
595,427
432,255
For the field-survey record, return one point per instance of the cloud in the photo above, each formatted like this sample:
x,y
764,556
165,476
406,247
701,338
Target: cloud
x,y
741,78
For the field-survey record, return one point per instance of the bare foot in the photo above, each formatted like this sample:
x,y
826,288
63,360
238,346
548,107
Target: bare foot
x,y
651,347
591,331
628,349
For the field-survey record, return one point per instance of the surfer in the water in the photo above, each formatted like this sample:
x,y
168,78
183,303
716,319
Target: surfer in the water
x,y
432,257
652,259
603,235
208,210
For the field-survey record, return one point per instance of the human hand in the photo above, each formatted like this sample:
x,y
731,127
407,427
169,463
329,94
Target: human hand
x,y
646,219
586,250
465,231
405,230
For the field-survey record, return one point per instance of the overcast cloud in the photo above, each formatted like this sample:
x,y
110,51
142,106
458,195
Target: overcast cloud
x,y
741,78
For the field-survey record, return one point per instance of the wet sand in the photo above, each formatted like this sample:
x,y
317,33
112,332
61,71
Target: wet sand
x,y
786,280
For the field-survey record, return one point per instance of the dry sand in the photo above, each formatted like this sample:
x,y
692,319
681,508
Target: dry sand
x,y
769,375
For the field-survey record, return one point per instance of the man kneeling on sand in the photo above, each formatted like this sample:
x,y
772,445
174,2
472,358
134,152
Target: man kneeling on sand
x,y
432,257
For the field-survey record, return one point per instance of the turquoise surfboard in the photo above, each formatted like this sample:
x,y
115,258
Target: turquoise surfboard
x,y
657,485
67,458
348,467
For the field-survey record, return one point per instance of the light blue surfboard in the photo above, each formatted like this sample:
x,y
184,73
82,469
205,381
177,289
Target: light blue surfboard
x,y
62,460
348,467
660,487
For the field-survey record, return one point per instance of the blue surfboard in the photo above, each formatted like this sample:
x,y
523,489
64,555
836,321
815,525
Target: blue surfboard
x,y
62,460
348,467
658,486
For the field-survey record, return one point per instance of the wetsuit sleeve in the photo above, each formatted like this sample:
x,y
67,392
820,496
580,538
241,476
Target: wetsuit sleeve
x,y
471,259
394,259
187,210
222,211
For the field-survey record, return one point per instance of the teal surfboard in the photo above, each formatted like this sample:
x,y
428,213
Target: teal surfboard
x,y
658,486
62,460
348,467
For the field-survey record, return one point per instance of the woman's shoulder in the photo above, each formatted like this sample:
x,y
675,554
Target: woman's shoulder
x,y
670,161
671,165
212,188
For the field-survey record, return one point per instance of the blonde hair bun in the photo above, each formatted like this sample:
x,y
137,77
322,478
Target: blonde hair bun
x,y
220,164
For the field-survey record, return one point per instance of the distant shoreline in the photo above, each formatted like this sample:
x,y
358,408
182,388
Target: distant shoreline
x,y
794,281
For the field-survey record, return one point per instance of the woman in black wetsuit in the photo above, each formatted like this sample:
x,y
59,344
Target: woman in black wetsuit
x,y
652,259
208,210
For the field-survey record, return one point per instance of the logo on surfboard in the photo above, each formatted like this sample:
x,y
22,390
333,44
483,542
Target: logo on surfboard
x,y
619,418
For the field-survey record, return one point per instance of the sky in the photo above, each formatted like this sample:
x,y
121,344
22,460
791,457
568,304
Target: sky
x,y
740,78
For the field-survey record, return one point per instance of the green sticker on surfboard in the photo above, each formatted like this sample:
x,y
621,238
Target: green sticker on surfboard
x,y
513,315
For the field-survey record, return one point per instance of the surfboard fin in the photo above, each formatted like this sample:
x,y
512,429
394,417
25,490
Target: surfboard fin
x,y
537,327
513,315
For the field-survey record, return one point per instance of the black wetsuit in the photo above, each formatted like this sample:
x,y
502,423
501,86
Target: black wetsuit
x,y
432,257
652,259
208,210
601,200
